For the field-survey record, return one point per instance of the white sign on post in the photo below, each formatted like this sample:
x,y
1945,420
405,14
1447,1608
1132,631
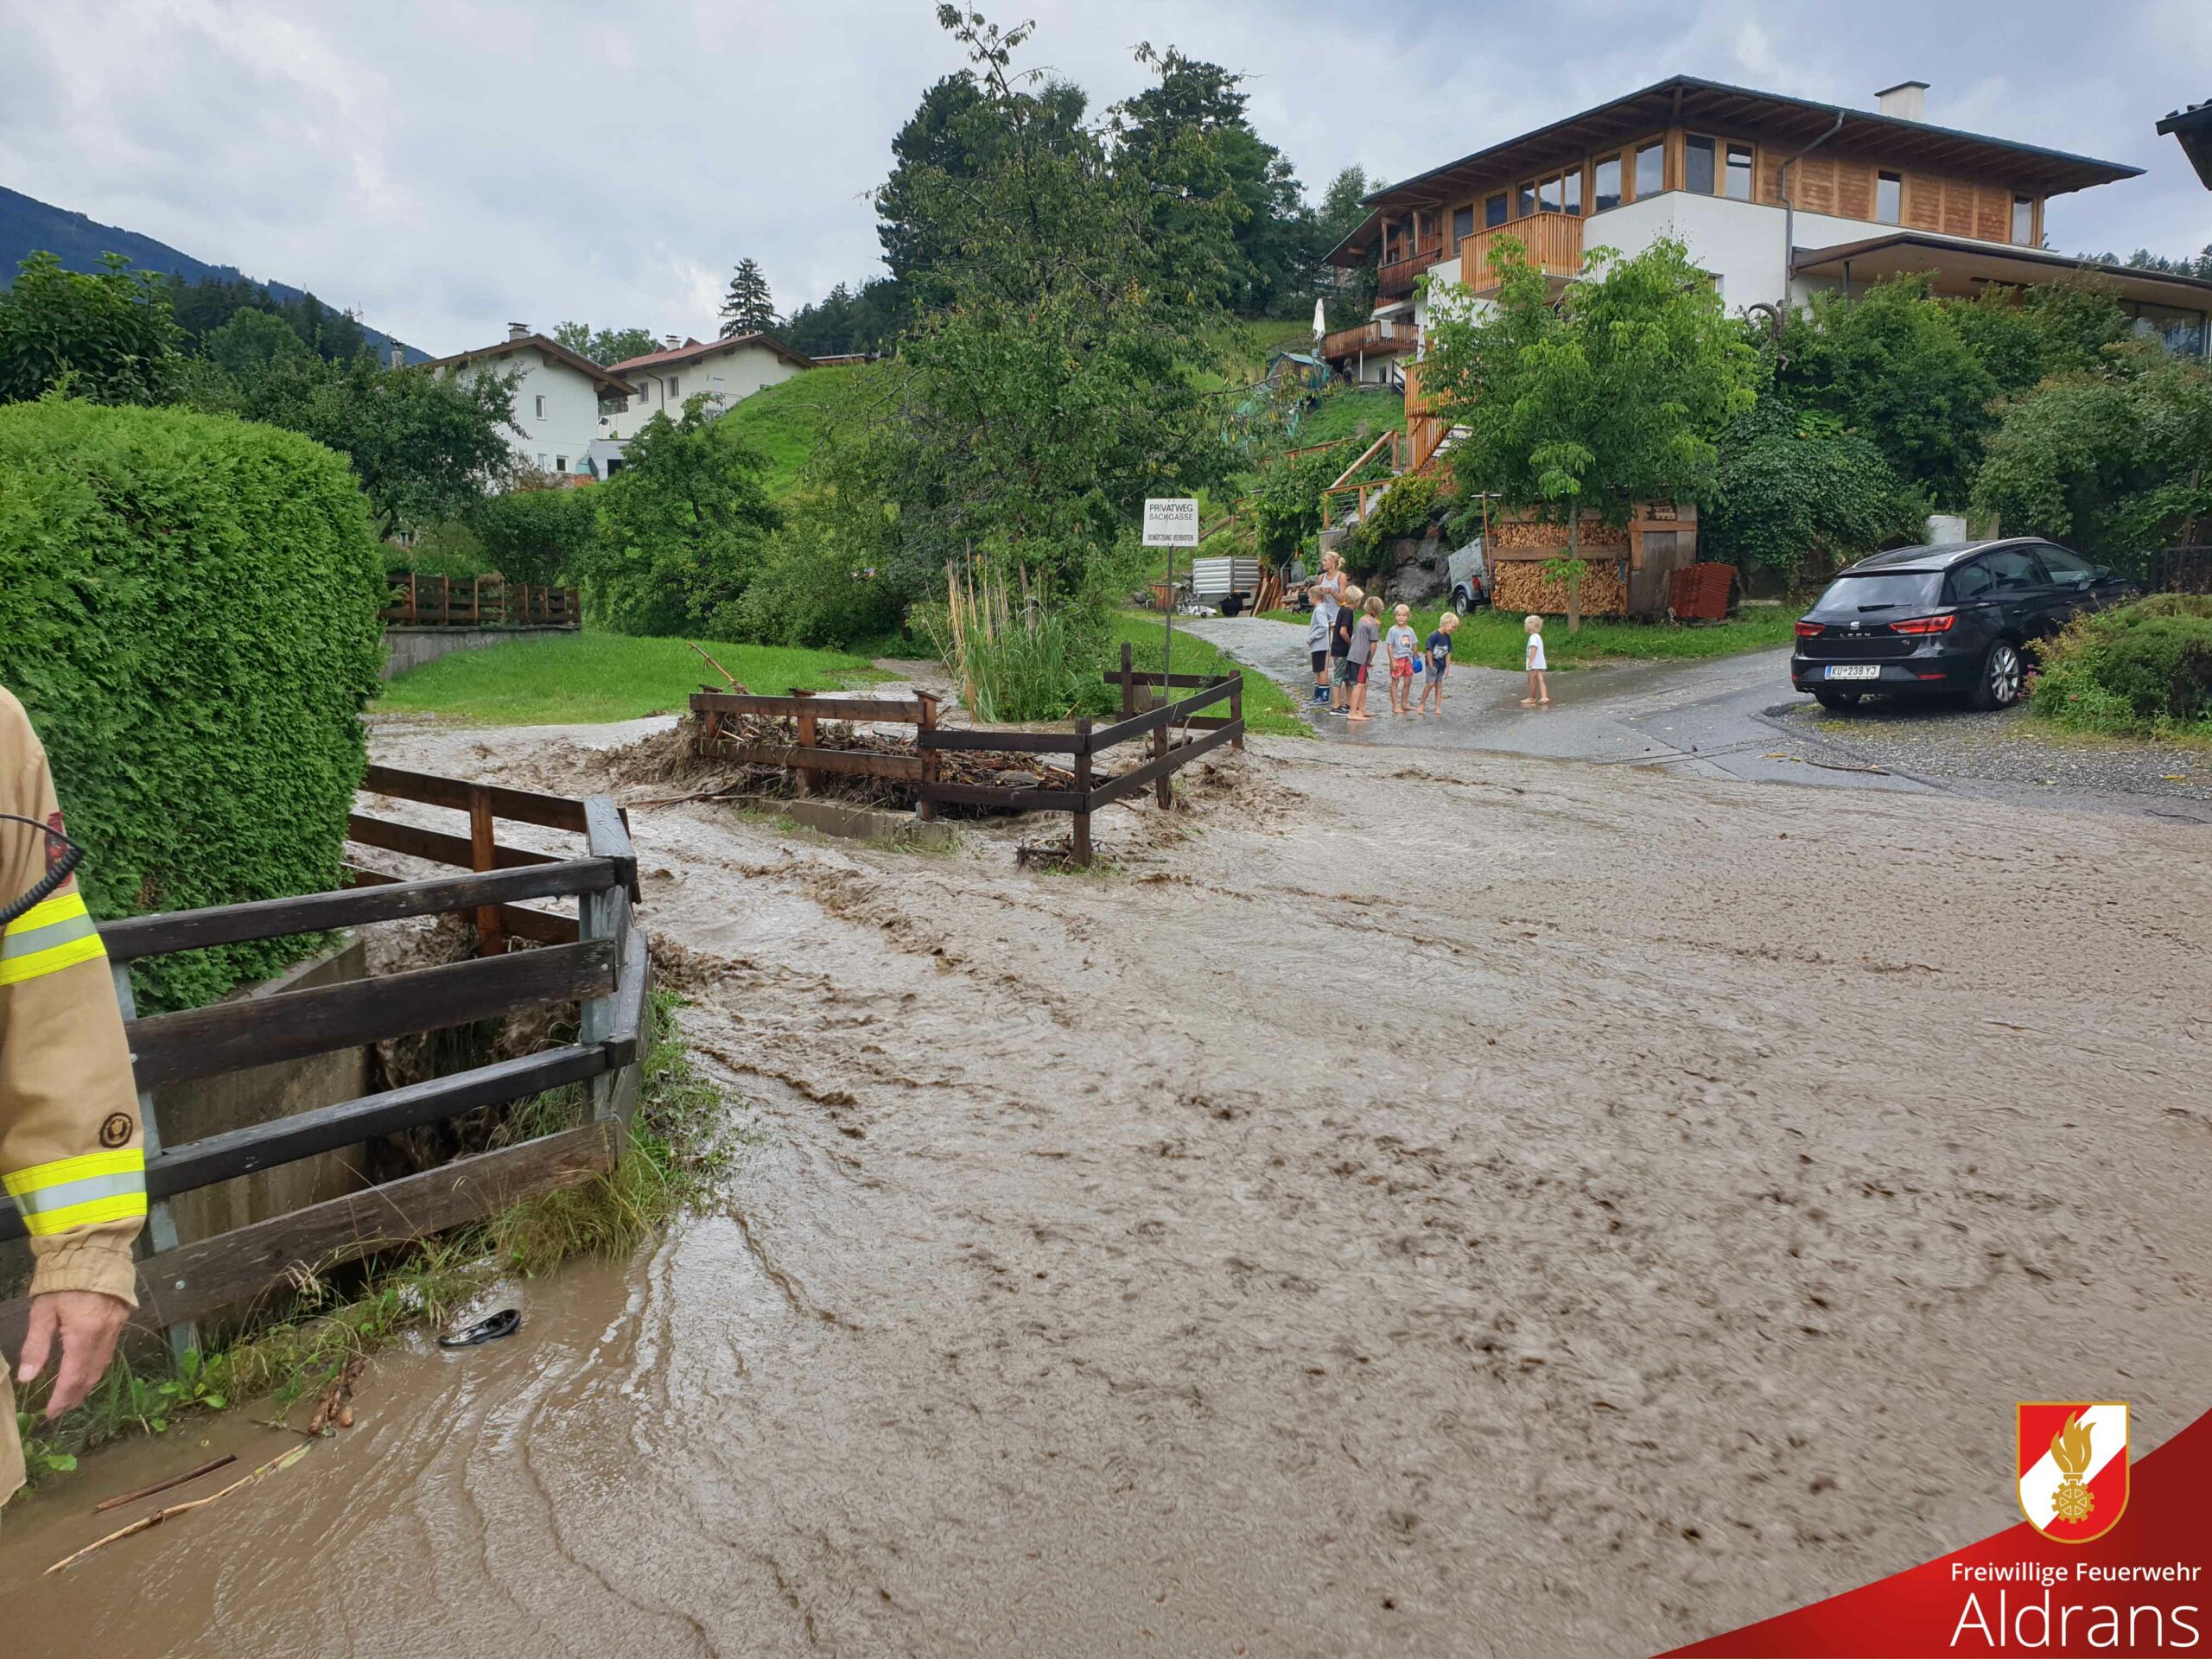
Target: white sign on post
x,y
1171,521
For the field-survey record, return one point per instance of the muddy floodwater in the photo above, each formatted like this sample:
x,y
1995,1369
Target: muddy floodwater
x,y
1424,1204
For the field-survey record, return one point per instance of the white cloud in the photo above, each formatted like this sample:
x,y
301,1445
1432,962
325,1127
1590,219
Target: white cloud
x,y
447,167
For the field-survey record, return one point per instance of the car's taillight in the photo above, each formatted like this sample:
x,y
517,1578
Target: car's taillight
x,y
1807,630
1925,625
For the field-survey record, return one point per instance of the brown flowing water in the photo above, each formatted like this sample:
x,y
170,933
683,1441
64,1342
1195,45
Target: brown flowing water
x,y
1477,1206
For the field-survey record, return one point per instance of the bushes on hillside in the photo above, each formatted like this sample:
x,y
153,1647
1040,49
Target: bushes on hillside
x,y
1795,496
2144,668
188,609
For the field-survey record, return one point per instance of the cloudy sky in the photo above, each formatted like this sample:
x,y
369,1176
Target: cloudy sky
x,y
449,166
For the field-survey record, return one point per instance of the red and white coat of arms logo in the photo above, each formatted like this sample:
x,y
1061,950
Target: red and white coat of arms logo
x,y
2073,1467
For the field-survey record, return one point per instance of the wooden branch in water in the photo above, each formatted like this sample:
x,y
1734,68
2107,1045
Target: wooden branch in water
x,y
189,1476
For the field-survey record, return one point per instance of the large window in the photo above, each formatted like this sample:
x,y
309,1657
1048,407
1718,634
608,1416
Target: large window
x,y
1888,198
1650,169
1559,194
1524,200
1698,158
2177,331
1605,184
1494,212
1463,225
1738,181
2024,219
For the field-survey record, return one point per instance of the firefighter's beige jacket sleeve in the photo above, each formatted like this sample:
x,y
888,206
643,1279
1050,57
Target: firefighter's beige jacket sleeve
x,y
71,1154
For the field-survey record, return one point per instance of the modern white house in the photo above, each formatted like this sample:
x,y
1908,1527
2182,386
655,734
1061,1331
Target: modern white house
x,y
727,370
557,396
1774,197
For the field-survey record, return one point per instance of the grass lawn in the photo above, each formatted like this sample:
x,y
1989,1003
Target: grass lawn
x,y
600,676
787,422
1493,640
1268,707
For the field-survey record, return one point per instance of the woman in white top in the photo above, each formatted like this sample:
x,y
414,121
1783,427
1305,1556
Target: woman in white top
x,y
1333,580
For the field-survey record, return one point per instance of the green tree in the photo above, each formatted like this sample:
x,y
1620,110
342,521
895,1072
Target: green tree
x,y
1263,263
843,320
1611,396
1054,390
748,308
683,527
425,446
107,334
2113,463
1343,210
252,343
1894,367
608,345
536,536
1795,493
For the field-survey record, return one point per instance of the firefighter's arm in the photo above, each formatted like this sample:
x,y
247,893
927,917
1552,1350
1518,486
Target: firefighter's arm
x,y
71,1155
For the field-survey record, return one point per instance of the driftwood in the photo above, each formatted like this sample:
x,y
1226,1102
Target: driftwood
x,y
720,670
189,1476
146,1522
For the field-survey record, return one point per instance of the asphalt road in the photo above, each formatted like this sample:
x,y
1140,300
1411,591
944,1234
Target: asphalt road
x,y
1736,717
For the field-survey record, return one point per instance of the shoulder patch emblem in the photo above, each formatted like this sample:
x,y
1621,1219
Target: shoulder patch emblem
x,y
116,1130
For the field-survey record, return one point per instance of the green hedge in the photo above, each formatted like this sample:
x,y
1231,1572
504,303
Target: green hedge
x,y
2144,668
188,609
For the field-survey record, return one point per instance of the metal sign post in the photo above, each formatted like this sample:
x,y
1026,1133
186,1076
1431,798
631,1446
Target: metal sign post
x,y
1170,521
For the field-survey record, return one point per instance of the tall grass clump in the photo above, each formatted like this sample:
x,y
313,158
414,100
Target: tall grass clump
x,y
1012,656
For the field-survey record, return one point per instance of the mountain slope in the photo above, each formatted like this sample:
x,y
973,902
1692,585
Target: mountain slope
x,y
28,224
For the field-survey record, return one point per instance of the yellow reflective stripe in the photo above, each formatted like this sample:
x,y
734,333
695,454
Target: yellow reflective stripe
x,y
38,963
127,1160
123,1206
61,908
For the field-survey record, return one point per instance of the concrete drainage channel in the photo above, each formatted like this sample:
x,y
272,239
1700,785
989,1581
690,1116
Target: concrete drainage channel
x,y
871,824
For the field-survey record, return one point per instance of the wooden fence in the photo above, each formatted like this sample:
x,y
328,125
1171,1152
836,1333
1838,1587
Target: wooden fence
x,y
603,968
1144,718
417,601
480,849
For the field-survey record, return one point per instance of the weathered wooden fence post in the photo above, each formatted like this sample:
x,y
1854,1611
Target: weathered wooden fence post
x,y
481,856
1236,712
607,915
1081,841
1129,683
803,785
925,808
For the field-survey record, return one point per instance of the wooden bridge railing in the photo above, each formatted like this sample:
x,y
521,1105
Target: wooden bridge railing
x,y
604,969
419,601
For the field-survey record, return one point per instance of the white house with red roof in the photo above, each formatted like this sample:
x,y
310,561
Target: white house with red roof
x,y
558,396
726,370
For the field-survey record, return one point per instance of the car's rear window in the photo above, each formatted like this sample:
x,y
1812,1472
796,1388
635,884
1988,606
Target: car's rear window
x,y
1883,590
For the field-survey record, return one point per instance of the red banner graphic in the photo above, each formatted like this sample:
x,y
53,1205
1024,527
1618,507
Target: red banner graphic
x,y
2141,1587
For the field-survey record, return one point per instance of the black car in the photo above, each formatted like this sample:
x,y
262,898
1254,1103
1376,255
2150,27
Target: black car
x,y
1960,617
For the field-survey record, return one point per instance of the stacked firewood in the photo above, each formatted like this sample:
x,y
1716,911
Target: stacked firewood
x,y
1522,585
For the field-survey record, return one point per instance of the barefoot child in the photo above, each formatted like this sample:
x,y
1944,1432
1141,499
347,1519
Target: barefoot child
x,y
1401,644
1341,627
1366,636
1323,604
1534,661
1439,658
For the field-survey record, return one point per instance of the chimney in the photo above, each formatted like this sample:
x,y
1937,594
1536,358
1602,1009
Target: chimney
x,y
673,341
398,355
1907,100
518,331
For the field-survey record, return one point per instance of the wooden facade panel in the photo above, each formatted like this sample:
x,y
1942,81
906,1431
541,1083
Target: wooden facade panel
x,y
1854,190
1992,213
1958,207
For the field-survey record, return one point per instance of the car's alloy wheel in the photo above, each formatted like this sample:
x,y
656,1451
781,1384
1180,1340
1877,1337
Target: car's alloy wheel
x,y
2000,678
1460,601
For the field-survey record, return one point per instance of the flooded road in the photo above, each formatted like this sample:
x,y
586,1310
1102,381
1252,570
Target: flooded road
x,y
1418,1202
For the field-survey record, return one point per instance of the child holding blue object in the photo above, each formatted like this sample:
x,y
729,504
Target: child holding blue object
x,y
1438,658
1316,637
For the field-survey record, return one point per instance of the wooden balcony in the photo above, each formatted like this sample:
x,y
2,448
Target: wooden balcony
x,y
1395,280
1554,242
1377,337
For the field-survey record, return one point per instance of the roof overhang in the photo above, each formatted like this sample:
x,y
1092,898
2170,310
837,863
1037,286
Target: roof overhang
x,y
1687,100
608,383
2193,126
1352,251
715,347
1966,268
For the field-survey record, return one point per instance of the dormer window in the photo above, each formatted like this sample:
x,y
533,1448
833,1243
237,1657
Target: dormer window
x,y
2023,220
